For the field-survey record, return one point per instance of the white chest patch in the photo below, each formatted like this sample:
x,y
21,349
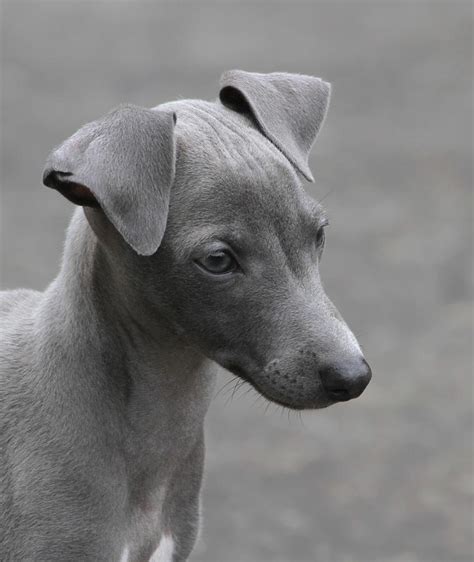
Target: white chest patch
x,y
164,552
124,557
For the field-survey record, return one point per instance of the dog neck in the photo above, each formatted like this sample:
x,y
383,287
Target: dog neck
x,y
158,384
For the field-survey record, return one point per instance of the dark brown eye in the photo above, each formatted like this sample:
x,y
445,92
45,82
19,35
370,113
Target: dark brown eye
x,y
218,263
320,236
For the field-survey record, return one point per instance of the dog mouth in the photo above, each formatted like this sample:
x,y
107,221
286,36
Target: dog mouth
x,y
316,401
238,371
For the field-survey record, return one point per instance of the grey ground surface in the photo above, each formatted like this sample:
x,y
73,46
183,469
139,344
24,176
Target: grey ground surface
x,y
388,477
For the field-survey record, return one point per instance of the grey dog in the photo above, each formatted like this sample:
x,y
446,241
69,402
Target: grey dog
x,y
196,248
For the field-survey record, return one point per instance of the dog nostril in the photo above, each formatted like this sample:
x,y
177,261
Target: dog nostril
x,y
345,379
338,394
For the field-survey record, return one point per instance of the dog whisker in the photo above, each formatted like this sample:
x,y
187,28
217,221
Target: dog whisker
x,y
224,386
319,201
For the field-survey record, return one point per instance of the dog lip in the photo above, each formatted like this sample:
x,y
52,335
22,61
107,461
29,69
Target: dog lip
x,y
241,373
286,404
238,370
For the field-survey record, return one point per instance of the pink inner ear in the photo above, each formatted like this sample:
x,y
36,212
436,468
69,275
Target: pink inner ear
x,y
78,194
75,192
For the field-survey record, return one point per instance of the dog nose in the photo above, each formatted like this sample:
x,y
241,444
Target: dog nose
x,y
345,380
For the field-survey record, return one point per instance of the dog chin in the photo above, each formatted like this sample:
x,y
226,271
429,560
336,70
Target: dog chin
x,y
317,404
314,404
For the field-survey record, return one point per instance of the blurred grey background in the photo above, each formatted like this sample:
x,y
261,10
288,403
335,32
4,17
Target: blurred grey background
x,y
388,477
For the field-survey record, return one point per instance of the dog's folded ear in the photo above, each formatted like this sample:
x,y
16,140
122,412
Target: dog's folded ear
x,y
288,108
123,163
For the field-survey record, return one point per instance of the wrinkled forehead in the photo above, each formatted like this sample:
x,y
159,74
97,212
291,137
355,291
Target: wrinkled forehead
x,y
228,172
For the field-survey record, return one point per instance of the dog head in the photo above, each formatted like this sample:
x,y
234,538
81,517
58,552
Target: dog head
x,y
212,223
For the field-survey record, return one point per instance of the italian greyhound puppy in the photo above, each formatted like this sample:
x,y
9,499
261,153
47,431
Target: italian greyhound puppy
x,y
194,247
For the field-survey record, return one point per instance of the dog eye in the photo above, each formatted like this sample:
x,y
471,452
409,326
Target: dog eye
x,y
320,236
218,263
